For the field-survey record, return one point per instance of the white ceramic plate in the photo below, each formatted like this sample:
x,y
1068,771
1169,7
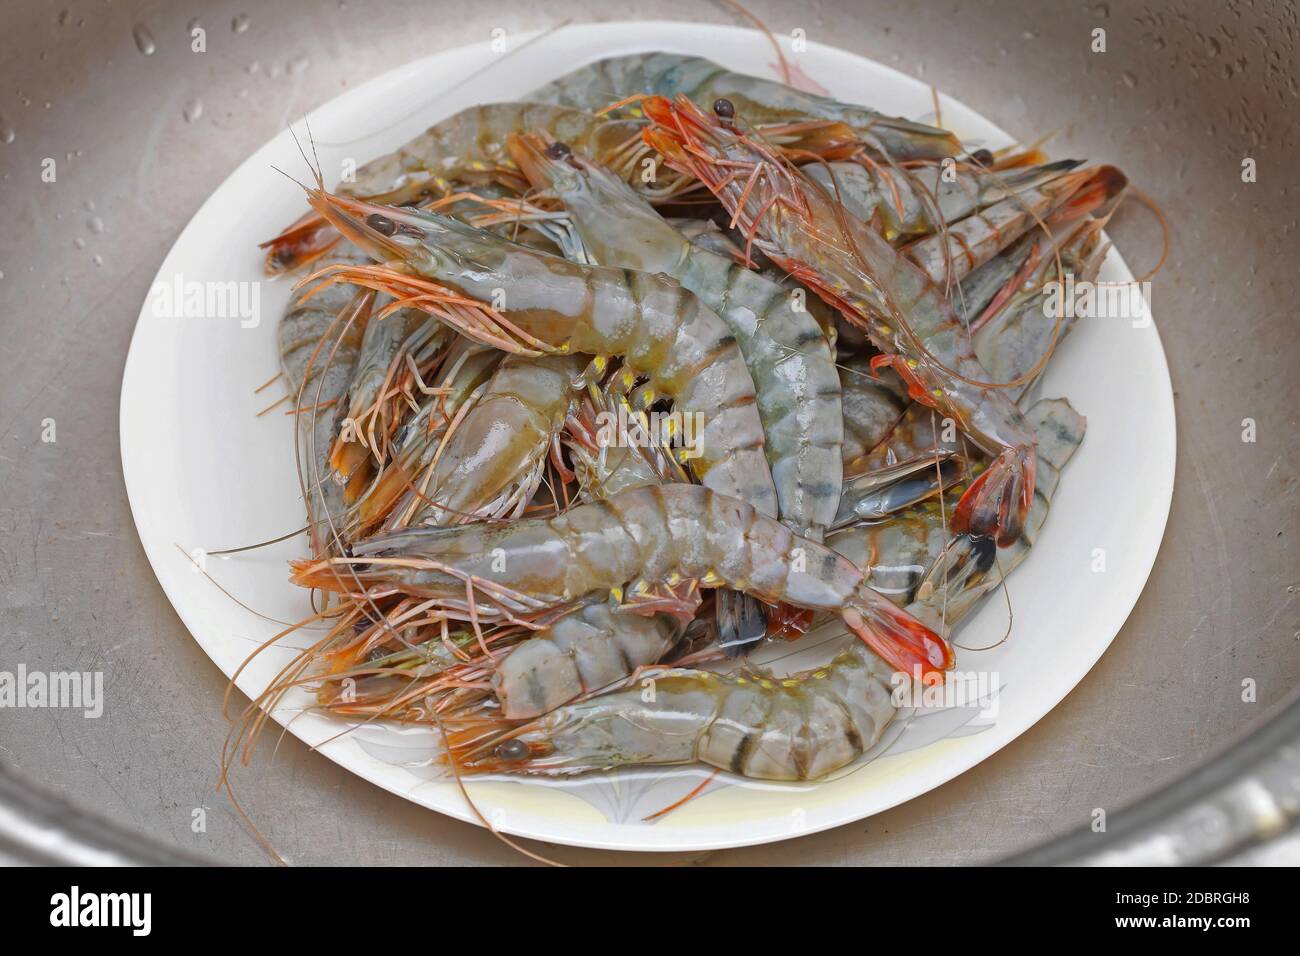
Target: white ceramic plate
x,y
203,472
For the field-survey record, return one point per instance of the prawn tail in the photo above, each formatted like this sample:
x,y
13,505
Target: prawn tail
x,y
1039,173
329,575
741,621
887,490
896,636
997,502
1102,185
898,138
302,243
383,495
347,455
962,567
789,622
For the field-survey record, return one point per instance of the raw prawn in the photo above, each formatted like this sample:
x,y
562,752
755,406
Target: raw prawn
x,y
1011,342
392,496
587,651
796,728
762,101
791,362
918,201
468,147
852,266
319,342
759,725
969,243
970,567
655,545
493,460
368,422
897,551
550,305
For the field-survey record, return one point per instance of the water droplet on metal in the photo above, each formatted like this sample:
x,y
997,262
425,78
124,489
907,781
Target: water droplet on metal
x,y
79,242
1130,80
95,224
98,260
240,23
144,40
298,64
192,111
7,134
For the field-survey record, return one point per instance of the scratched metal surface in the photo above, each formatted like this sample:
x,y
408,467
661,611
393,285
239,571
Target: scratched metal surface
x,y
1178,100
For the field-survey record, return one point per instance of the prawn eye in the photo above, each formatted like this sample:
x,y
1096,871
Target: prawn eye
x,y
983,157
558,150
724,108
381,224
512,750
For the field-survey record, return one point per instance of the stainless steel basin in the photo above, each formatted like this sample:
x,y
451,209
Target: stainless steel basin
x,y
141,129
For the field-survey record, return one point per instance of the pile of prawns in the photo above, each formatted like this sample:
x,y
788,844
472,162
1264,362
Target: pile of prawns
x,y
851,307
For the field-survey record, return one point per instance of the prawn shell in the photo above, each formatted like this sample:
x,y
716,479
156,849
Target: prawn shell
x,y
800,727
587,651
